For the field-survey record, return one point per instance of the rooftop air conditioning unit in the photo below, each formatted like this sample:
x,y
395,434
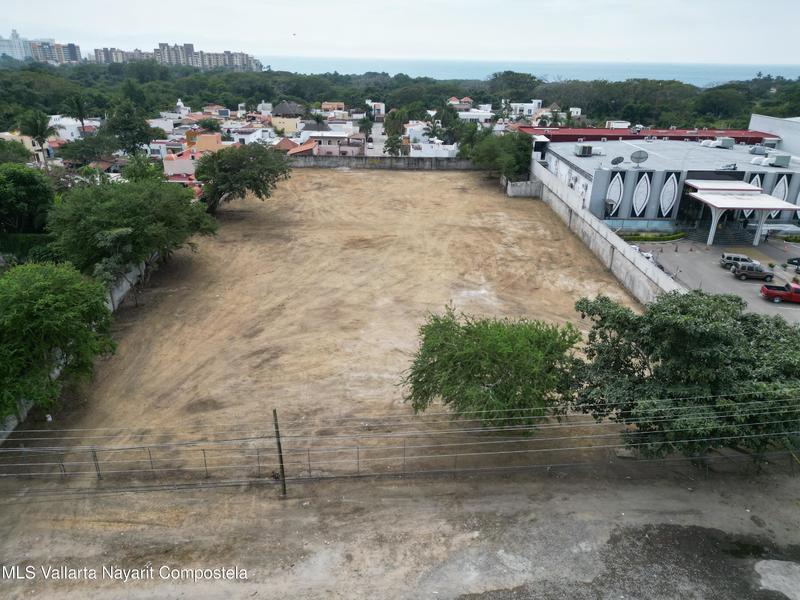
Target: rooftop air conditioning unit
x,y
707,143
725,142
779,160
603,139
583,150
758,150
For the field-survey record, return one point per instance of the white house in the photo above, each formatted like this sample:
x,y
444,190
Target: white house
x,y
434,149
250,135
265,108
524,109
69,128
378,109
574,112
484,117
618,124
165,124
415,130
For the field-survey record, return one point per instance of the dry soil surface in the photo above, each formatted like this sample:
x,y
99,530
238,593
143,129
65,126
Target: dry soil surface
x,y
309,303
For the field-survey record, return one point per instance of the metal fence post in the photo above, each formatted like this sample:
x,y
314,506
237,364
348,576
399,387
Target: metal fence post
x,y
258,461
96,464
280,450
309,461
152,467
205,462
358,461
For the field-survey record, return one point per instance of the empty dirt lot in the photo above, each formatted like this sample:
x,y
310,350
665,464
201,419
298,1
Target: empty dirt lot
x,y
309,303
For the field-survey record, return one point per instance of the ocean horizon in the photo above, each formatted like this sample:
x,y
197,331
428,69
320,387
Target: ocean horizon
x,y
702,75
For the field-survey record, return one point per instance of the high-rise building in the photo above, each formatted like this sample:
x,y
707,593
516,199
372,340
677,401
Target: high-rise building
x,y
182,54
42,50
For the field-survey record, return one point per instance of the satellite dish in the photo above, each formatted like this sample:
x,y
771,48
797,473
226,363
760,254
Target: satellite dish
x,y
617,161
639,157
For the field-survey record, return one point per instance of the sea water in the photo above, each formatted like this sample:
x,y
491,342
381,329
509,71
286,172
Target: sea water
x,y
697,74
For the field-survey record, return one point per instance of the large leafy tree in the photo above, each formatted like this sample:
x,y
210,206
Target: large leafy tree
x,y
51,317
507,373
128,124
25,198
104,229
36,125
13,152
210,124
509,154
231,173
89,148
141,168
691,373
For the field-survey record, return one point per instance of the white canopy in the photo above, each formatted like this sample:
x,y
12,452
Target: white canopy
x,y
734,187
762,204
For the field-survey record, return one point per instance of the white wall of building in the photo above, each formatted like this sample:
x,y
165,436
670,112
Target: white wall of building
x,y
787,129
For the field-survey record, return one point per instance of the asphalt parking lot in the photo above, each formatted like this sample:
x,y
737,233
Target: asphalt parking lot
x,y
696,266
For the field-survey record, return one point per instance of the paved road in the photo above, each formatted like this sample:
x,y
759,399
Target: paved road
x,y
697,267
377,140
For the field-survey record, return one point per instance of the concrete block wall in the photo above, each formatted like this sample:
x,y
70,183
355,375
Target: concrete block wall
x,y
402,163
638,275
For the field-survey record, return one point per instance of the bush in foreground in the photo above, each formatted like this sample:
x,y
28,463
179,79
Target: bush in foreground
x,y
503,372
52,319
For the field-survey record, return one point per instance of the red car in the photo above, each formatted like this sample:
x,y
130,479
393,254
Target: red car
x,y
781,293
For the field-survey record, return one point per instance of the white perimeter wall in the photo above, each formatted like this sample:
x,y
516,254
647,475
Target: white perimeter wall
x,y
640,277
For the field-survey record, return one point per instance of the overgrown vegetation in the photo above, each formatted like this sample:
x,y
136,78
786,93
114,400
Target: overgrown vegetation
x,y
52,319
692,373
502,372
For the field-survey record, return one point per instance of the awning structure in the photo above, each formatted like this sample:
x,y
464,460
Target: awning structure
x,y
752,199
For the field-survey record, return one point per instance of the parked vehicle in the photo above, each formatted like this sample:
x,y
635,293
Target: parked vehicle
x,y
370,146
730,260
794,261
781,293
751,270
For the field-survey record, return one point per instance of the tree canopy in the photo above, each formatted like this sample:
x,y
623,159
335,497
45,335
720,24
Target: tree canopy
x,y
231,173
691,373
50,316
503,372
25,198
509,155
103,229
13,152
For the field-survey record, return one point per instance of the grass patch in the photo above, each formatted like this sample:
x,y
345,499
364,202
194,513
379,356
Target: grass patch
x,y
652,237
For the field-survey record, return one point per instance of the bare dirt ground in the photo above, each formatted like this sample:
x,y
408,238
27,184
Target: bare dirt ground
x,y
310,303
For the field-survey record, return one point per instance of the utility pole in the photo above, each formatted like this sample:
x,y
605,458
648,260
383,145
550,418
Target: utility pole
x,y
280,450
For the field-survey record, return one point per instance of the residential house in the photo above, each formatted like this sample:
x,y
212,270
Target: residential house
x,y
216,110
336,143
286,124
307,149
265,108
415,131
331,106
378,110
433,149
37,151
474,115
166,125
288,109
523,109
69,128
159,149
284,145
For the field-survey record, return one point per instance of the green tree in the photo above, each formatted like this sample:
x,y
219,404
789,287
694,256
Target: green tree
x,y
128,124
393,145
365,126
691,373
231,173
36,125
507,372
434,130
210,124
104,229
89,148
13,152
77,107
25,198
141,168
50,316
508,155
394,120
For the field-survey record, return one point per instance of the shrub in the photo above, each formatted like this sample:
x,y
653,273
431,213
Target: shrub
x,y
652,237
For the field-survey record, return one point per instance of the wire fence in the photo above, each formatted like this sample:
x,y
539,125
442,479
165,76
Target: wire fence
x,y
397,445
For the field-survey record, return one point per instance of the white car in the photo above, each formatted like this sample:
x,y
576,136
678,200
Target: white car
x,y
370,146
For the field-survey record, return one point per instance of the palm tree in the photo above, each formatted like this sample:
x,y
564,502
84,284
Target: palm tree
x,y
77,107
365,126
318,118
36,125
434,130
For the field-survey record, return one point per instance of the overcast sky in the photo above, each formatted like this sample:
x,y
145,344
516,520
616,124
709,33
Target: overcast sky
x,y
694,31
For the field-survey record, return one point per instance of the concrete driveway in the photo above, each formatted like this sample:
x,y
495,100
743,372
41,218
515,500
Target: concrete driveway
x,y
696,266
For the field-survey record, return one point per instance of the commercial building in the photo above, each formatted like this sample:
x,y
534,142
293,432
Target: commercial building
x,y
663,185
606,134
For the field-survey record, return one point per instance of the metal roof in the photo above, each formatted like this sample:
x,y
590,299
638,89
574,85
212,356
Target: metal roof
x,y
743,201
